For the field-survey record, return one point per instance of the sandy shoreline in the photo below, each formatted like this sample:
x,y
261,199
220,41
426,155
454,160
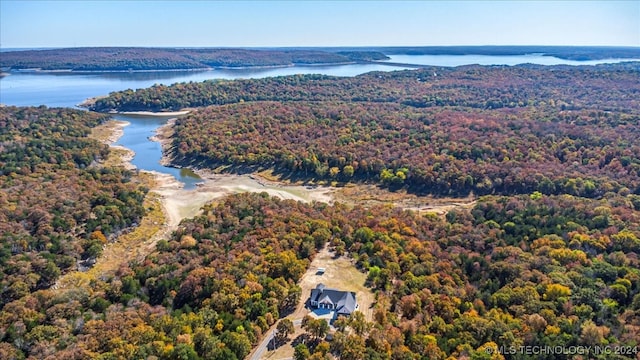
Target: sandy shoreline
x,y
116,131
179,203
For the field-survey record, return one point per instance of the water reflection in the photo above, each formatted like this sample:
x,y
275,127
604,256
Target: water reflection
x,y
148,154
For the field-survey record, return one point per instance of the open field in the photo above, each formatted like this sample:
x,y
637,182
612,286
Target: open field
x,y
371,195
340,273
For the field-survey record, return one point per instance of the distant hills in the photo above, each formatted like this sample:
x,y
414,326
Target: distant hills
x,y
141,59
166,59
578,53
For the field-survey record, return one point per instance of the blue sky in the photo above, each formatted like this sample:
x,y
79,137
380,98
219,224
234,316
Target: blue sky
x,y
50,23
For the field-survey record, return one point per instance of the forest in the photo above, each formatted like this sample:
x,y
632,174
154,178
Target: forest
x,y
526,270
547,255
57,204
443,131
154,59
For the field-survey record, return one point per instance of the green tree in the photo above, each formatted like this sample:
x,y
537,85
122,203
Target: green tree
x,y
301,352
284,329
358,323
348,171
354,348
315,327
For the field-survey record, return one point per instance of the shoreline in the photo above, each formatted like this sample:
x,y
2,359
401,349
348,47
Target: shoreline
x,y
71,71
163,136
125,154
201,69
152,113
219,185
117,131
88,102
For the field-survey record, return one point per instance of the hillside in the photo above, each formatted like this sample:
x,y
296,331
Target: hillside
x,y
519,271
58,204
444,131
159,59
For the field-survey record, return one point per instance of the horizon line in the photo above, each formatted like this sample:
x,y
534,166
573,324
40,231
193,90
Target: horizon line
x,y
301,46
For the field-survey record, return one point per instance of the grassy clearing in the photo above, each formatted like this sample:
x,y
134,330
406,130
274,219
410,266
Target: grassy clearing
x,y
371,195
340,273
268,175
108,132
104,132
117,157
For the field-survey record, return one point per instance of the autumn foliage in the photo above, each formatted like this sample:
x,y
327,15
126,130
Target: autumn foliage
x,y
57,204
548,257
472,129
555,270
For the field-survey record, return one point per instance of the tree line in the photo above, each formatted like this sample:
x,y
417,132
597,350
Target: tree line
x,y
153,59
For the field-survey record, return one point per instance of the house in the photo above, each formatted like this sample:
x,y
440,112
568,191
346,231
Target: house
x,y
343,302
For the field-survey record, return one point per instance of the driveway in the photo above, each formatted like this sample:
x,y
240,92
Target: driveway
x,y
259,351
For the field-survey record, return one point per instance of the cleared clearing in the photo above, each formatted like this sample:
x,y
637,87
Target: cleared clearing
x,y
340,273
372,195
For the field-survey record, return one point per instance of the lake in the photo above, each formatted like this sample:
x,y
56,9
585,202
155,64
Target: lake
x,y
149,153
66,89
69,89
459,60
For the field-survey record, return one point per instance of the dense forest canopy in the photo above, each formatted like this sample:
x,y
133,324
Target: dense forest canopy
x,y
579,53
443,131
149,59
514,271
548,258
57,204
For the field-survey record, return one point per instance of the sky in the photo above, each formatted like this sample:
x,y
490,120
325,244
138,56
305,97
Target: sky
x,y
51,23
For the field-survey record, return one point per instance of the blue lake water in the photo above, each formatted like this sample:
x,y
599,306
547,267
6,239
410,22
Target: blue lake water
x,y
149,153
69,89
459,60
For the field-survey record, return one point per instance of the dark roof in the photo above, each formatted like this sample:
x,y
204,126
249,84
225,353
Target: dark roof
x,y
344,301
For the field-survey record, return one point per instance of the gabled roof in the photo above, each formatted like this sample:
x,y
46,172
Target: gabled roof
x,y
343,301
